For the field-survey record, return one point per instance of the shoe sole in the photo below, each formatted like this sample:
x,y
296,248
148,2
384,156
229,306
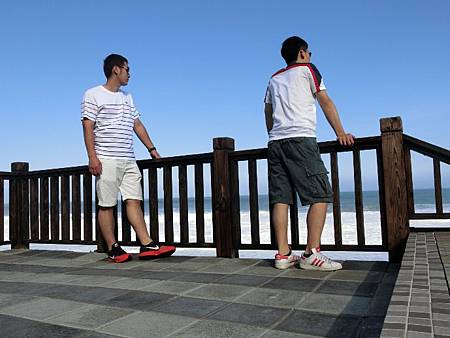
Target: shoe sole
x,y
157,254
284,266
317,268
121,259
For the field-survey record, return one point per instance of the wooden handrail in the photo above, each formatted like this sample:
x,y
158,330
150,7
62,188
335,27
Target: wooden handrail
x,y
427,149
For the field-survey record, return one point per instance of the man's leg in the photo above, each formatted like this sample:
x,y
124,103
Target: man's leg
x,y
280,222
106,220
136,218
315,221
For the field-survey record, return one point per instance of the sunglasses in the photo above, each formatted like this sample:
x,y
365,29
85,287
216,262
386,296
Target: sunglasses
x,y
127,69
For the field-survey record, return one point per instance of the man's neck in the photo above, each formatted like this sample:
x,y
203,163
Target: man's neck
x,y
112,85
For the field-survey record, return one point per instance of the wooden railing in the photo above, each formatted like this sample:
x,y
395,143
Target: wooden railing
x,y
59,206
331,148
439,156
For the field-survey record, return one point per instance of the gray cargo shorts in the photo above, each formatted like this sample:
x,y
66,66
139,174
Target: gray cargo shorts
x,y
295,164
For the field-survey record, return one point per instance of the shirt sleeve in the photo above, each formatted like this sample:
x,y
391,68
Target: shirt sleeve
x,y
134,112
268,96
89,107
315,80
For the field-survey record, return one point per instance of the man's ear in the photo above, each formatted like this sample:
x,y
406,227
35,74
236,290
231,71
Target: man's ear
x,y
116,70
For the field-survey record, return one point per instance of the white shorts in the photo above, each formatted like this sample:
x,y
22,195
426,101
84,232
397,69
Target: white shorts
x,y
118,175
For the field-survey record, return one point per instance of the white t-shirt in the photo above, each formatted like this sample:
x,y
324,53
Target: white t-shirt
x,y
114,115
291,91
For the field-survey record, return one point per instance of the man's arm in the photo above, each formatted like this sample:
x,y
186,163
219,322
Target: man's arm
x,y
332,116
142,134
268,111
95,166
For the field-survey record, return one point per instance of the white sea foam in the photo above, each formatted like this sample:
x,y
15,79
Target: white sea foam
x,y
372,233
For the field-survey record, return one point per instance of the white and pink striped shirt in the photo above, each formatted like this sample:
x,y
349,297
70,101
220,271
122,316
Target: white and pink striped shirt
x,y
114,115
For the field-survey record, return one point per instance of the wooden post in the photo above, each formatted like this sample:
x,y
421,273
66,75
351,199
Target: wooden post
x,y
222,215
395,187
19,207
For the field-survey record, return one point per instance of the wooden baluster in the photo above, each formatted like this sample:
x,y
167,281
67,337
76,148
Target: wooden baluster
x,y
76,208
65,207
87,206
235,202
168,205
253,201
183,203
2,210
34,208
336,199
358,198
153,203
54,208
437,185
44,209
199,203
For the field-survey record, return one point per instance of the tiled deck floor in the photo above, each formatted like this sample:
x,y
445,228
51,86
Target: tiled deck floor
x,y
67,294
420,305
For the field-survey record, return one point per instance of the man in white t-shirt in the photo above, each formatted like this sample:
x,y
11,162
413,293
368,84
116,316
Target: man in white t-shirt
x,y
293,154
110,120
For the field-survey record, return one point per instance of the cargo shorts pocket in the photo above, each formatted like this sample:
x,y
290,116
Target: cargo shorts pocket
x,y
317,178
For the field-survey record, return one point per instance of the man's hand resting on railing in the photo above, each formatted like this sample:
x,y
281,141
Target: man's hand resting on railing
x,y
346,139
95,166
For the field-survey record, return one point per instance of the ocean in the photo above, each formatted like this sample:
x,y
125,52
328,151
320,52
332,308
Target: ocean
x,y
423,198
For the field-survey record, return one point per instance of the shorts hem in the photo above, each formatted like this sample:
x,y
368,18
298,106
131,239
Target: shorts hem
x,y
132,198
317,200
106,205
290,202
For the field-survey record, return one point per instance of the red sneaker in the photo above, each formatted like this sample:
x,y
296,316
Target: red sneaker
x,y
154,250
118,255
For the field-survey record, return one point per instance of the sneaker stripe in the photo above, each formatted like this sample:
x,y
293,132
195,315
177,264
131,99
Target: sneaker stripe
x,y
321,263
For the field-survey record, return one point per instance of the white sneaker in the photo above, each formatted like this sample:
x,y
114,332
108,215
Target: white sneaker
x,y
286,261
318,261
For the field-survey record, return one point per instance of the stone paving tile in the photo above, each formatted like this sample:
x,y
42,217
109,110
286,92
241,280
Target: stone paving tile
x,y
261,271
335,304
364,266
297,284
7,299
348,288
93,280
78,293
370,327
147,324
53,278
244,280
300,273
219,329
285,334
261,316
320,324
198,277
13,327
219,292
132,283
191,307
41,308
137,300
273,297
367,276
171,287
89,317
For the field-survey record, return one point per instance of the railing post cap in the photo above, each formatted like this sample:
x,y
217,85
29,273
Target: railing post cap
x,y
223,143
20,166
391,124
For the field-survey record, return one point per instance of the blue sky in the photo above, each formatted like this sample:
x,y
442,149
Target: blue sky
x,y
199,69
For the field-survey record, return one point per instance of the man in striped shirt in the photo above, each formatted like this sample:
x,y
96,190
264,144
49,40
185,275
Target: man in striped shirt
x,y
109,120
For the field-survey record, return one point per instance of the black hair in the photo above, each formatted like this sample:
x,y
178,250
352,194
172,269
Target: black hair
x,y
111,61
290,48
